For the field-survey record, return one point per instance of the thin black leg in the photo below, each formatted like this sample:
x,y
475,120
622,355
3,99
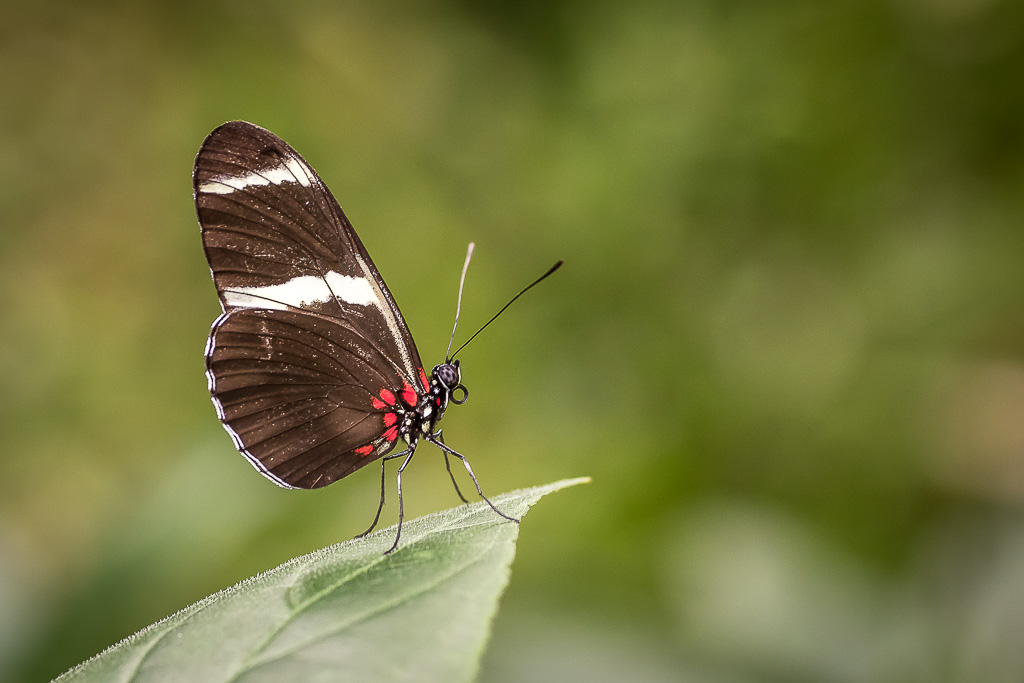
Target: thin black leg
x,y
380,507
401,504
448,466
448,450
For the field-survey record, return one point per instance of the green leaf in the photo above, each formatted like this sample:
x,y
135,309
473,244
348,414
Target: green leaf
x,y
346,612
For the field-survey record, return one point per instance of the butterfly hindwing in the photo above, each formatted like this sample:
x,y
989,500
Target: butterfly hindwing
x,y
293,391
310,335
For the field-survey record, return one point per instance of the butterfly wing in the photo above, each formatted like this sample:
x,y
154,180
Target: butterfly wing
x,y
311,343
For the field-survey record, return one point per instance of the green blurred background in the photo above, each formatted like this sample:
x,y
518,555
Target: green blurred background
x,y
787,344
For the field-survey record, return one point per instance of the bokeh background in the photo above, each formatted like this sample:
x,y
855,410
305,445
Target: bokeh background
x,y
787,344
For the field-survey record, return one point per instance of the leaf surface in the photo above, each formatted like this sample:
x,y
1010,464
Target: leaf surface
x,y
346,612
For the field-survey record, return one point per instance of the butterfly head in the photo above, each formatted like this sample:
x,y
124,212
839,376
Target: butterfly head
x,y
449,378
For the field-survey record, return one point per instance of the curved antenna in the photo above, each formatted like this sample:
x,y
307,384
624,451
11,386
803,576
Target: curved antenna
x,y
458,306
524,291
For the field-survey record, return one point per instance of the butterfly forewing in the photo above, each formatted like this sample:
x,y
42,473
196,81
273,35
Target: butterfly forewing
x,y
310,336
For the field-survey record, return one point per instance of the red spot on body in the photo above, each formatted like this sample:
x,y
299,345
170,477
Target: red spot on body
x,y
377,403
388,397
438,401
409,395
390,419
364,451
423,380
391,434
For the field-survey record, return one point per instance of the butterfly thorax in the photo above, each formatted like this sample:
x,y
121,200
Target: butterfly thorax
x,y
445,380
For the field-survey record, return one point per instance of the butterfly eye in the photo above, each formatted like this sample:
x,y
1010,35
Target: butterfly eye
x,y
448,375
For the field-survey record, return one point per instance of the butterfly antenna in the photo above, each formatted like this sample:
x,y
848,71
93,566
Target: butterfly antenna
x,y
524,291
458,306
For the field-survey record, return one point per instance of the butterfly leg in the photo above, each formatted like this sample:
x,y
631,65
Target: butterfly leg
x,y
450,451
380,507
448,466
401,506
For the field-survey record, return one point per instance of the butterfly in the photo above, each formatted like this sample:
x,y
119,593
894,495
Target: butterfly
x,y
311,366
